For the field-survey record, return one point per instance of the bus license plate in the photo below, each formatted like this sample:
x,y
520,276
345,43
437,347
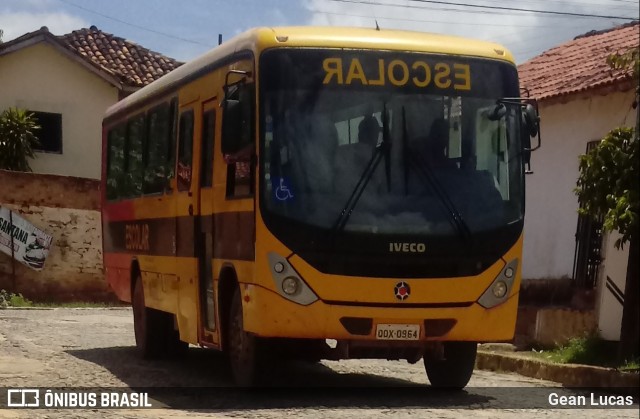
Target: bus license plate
x,y
398,331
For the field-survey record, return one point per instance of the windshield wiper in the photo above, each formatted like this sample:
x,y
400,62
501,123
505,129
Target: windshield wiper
x,y
382,149
424,168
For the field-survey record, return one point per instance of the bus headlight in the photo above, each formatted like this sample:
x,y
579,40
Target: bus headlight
x,y
291,285
500,288
288,283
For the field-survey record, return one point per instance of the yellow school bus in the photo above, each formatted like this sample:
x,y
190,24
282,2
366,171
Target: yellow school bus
x,y
300,185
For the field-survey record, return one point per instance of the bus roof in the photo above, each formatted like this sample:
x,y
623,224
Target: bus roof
x,y
384,39
259,39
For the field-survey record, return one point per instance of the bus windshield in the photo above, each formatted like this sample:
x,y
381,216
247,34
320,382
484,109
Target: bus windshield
x,y
408,137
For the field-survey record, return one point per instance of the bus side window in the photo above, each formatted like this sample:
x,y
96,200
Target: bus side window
x,y
240,178
208,133
173,138
185,150
239,138
134,152
157,155
115,162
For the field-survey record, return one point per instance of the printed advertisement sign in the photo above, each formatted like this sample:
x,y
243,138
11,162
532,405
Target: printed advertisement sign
x,y
30,244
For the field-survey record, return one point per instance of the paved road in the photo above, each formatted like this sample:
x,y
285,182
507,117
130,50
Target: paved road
x,y
94,348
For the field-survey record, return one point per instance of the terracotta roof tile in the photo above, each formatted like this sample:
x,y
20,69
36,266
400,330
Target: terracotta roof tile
x,y
578,65
134,65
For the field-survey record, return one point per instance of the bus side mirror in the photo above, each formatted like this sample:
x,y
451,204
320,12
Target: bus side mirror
x,y
237,114
530,129
531,120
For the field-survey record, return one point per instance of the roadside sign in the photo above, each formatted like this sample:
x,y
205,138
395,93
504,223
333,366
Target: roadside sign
x,y
30,244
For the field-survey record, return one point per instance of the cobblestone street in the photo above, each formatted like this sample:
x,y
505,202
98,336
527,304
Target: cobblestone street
x,y
95,348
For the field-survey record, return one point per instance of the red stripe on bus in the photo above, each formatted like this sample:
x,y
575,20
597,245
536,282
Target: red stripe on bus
x,y
118,275
118,211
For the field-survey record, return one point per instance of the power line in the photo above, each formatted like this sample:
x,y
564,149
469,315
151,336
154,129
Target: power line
x,y
624,8
515,9
134,25
580,2
429,21
512,9
450,9
510,44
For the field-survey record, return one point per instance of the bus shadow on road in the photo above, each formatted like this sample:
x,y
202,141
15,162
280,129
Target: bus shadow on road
x,y
201,381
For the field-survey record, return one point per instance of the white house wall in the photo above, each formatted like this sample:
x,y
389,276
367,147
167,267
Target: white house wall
x,y
40,78
551,204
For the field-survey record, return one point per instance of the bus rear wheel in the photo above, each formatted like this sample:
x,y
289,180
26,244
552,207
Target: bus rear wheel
x,y
241,347
452,365
144,323
154,332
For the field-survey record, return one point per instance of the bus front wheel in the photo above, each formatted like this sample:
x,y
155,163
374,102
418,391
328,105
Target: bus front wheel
x,y
241,346
451,365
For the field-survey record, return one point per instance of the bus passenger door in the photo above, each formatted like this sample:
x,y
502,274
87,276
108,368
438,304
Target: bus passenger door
x,y
209,329
186,215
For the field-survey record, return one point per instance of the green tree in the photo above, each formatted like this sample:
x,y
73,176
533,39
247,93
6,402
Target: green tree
x,y
17,138
609,186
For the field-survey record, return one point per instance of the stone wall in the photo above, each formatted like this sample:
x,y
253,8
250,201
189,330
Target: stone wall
x,y
67,208
552,311
556,326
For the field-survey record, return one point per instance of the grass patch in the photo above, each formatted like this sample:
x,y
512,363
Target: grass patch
x,y
8,299
78,304
588,350
631,366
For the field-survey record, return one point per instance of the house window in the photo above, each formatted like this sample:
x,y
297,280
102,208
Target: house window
x,y
50,132
588,252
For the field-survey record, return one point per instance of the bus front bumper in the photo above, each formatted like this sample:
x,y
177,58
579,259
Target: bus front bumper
x,y
267,314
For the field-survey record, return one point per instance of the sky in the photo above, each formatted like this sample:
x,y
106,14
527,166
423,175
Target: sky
x,y
184,29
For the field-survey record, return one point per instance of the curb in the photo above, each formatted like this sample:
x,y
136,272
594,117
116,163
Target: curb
x,y
64,308
26,308
569,375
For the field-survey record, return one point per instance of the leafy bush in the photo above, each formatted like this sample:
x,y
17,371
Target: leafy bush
x,y
17,139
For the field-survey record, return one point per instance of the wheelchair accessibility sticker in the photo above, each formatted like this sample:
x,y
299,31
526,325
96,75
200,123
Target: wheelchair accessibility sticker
x,y
282,190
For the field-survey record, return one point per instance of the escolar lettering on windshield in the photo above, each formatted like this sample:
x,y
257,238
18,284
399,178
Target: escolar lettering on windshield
x,y
398,73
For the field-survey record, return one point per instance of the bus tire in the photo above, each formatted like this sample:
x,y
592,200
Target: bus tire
x,y
146,324
241,346
454,368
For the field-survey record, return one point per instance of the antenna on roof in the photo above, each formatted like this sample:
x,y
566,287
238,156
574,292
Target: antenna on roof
x,y
377,26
